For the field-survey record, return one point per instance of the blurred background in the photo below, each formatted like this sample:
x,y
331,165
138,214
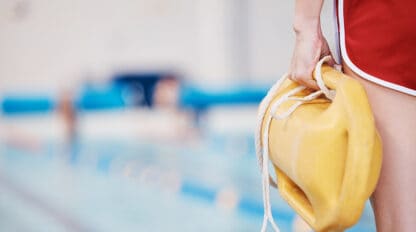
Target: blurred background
x,y
139,115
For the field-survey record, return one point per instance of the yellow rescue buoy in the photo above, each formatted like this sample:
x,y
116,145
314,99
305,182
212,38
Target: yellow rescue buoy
x,y
324,147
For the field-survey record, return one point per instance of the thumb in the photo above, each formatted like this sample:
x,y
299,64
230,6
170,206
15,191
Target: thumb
x,y
331,62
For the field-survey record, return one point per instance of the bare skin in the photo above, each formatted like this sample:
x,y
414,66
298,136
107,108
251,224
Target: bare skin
x,y
394,201
310,44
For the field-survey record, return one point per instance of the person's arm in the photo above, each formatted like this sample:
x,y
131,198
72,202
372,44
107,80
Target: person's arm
x,y
307,12
310,43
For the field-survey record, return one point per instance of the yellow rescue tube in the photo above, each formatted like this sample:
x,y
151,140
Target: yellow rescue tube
x,y
326,153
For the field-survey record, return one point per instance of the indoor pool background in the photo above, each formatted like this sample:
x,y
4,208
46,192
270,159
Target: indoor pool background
x,y
208,184
121,116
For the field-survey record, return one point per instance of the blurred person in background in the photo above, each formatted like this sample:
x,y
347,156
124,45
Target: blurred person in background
x,y
166,98
378,50
166,93
158,92
67,111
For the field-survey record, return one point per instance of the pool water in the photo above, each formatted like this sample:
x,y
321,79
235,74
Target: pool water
x,y
141,186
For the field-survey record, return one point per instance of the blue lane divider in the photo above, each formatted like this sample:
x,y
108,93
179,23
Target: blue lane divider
x,y
118,95
90,98
15,104
101,98
200,98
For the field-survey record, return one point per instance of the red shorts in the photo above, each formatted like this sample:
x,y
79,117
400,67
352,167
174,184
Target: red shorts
x,y
377,39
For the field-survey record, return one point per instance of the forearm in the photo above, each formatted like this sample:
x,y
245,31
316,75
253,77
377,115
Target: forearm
x,y
307,15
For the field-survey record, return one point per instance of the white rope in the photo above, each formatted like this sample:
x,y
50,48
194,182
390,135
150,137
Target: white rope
x,y
262,145
330,94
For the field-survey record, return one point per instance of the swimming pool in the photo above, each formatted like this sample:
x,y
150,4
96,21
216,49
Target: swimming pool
x,y
121,186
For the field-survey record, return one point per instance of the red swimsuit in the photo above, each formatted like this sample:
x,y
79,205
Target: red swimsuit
x,y
378,41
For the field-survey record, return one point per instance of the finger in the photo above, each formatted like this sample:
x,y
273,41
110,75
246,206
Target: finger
x,y
331,62
309,83
304,80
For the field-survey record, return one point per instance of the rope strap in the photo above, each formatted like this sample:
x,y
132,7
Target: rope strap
x,y
262,142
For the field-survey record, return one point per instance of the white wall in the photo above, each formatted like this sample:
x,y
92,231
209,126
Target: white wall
x,y
49,44
272,37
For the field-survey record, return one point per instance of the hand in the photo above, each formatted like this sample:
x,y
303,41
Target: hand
x,y
310,47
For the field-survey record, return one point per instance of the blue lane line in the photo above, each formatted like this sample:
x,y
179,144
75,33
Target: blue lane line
x,y
255,207
117,95
245,205
13,105
103,164
194,190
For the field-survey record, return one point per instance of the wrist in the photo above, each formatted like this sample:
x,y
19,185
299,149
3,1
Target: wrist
x,y
307,25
